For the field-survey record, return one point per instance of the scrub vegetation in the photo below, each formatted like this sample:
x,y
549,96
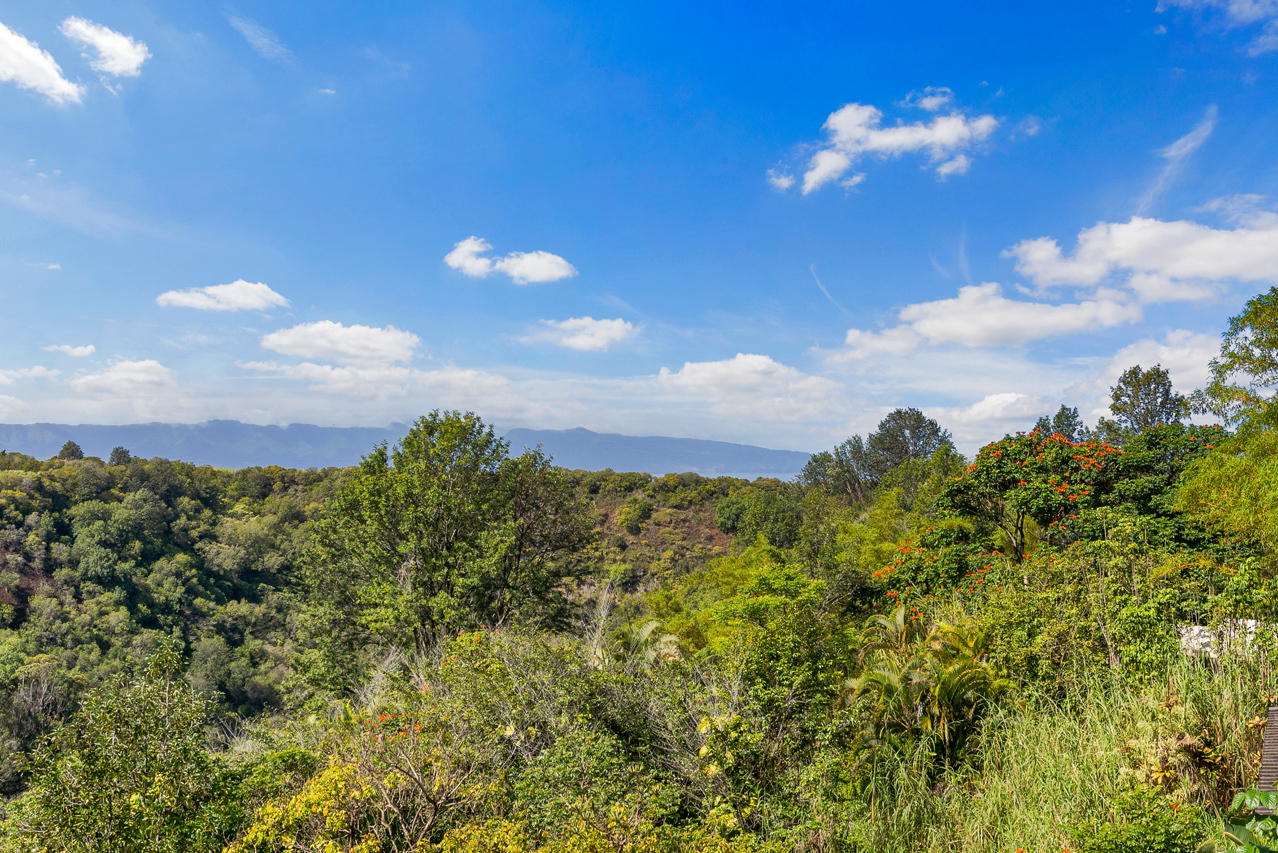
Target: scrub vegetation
x,y
457,648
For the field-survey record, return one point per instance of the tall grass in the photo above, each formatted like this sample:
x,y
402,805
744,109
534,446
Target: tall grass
x,y
1049,764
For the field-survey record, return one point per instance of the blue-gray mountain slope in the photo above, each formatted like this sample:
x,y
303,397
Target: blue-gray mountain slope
x,y
593,451
231,444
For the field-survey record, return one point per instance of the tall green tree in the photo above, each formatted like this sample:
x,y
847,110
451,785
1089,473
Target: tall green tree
x,y
856,466
1065,422
442,534
1141,399
1245,374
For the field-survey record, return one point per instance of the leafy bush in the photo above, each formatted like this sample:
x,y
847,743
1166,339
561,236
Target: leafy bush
x,y
1144,820
634,514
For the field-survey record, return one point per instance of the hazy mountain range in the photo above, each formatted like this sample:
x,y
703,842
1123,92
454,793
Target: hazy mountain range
x,y
231,444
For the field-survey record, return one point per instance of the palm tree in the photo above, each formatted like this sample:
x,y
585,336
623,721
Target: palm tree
x,y
941,688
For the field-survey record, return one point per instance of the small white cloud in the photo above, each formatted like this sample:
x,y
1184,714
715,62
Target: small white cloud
x,y
994,409
45,265
1247,209
1160,30
932,98
857,130
74,352
328,91
1030,125
11,405
958,166
344,344
522,267
145,378
264,42
7,377
23,63
755,386
534,267
898,341
583,333
118,55
780,180
239,295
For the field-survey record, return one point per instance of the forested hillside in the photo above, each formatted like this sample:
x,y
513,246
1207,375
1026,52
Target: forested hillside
x,y
453,648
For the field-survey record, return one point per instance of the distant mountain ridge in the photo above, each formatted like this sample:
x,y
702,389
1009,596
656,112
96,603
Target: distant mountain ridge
x,y
594,451
231,444
222,444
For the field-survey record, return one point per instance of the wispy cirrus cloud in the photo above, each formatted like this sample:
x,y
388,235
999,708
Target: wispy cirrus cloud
x,y
1178,152
23,63
1238,14
263,42
467,257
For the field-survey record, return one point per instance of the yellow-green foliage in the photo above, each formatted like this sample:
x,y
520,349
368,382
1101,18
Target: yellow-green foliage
x,y
1235,489
321,818
615,836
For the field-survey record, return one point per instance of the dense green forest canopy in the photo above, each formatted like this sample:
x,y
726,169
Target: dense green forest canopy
x,y
1063,642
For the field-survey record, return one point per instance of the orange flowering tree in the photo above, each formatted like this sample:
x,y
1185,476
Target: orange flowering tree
x,y
1034,490
1029,485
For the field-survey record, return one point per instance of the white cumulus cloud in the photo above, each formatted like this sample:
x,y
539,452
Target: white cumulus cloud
x,y
522,267
38,372
857,130
755,386
74,352
355,344
582,333
118,55
1007,407
239,295
981,316
23,63
1161,261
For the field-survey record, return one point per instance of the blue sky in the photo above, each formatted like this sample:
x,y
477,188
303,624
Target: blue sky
x,y
753,222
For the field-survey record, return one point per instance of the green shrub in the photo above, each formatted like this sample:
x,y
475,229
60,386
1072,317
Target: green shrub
x,y
1144,820
634,515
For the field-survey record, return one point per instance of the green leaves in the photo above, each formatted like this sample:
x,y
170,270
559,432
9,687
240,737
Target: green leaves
x,y
443,534
128,773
